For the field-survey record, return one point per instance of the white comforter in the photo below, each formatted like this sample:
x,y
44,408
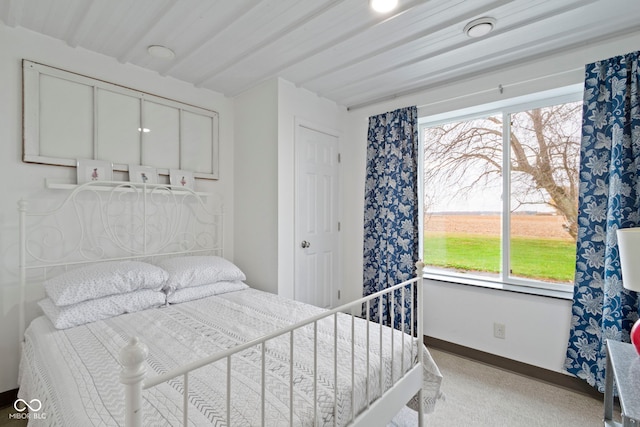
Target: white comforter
x,y
74,373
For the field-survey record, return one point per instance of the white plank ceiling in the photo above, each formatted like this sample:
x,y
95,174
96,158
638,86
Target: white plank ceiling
x,y
339,49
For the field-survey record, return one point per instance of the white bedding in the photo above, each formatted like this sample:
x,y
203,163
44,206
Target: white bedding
x,y
75,372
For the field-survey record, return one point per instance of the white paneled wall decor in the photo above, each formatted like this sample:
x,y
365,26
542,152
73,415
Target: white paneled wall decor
x,y
69,116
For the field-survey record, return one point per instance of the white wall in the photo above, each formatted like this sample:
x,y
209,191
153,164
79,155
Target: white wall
x,y
256,184
21,180
537,328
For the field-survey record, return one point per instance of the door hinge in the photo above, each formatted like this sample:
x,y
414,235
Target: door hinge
x,y
338,294
339,225
339,158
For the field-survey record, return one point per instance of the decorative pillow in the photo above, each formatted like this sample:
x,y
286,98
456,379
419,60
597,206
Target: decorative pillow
x,y
190,271
100,308
103,279
203,291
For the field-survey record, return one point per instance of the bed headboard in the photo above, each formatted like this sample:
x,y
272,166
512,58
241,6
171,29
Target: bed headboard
x,y
106,221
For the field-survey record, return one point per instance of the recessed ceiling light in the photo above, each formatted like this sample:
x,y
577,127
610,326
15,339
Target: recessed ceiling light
x,y
479,27
383,6
161,52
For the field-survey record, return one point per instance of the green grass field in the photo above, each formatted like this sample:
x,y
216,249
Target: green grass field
x,y
551,260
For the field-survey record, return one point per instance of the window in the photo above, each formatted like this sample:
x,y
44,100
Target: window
x,y
472,232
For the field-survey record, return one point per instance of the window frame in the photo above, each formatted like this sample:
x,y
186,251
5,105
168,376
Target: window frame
x,y
504,108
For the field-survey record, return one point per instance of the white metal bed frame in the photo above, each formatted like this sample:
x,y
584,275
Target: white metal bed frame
x,y
107,221
148,222
133,356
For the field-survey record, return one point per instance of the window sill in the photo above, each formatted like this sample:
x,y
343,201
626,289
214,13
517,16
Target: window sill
x,y
508,287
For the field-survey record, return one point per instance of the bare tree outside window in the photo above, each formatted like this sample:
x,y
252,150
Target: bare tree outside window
x,y
463,182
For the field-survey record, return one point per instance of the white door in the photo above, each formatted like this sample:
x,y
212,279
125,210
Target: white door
x,y
316,233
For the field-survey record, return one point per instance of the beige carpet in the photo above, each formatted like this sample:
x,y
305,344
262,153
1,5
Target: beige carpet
x,y
479,395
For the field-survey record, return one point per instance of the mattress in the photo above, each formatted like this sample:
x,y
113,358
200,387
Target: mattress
x,y
74,372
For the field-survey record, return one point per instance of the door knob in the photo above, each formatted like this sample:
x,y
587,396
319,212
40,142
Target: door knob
x,y
305,244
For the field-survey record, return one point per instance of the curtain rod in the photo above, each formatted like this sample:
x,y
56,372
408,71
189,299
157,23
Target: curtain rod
x,y
500,88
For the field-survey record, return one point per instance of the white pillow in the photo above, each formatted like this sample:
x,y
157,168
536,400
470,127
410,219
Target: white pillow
x,y
190,271
203,291
100,308
103,279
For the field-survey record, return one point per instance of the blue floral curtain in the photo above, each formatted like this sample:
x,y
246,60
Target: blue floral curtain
x,y
609,200
391,209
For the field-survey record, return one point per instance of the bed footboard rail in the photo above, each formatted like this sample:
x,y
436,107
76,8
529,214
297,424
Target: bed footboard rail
x,y
133,360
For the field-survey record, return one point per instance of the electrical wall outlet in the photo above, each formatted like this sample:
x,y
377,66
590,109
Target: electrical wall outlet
x,y
499,330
